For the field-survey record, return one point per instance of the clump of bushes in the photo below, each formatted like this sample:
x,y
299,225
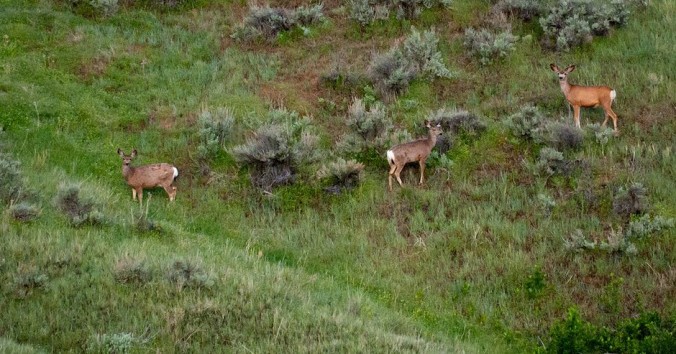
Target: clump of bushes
x,y
26,283
571,23
131,271
630,201
214,128
489,47
458,121
560,136
276,150
647,225
112,343
365,12
185,274
418,56
94,8
267,22
11,181
647,333
525,10
600,134
78,211
341,175
24,212
526,123
550,162
369,126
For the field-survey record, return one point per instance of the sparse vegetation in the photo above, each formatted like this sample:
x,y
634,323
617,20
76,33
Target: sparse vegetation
x,y
268,22
24,212
489,47
80,211
485,256
215,128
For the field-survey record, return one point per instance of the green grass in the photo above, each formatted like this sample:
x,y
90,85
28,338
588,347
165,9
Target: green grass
x,y
471,261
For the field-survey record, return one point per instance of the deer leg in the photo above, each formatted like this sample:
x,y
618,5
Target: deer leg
x,y
171,192
393,167
576,115
422,169
397,174
133,194
612,115
139,191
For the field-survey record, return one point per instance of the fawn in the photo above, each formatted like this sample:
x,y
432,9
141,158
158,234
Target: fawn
x,y
418,150
148,176
586,96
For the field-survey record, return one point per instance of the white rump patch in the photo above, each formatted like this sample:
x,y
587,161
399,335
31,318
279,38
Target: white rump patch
x,y
175,172
613,94
390,156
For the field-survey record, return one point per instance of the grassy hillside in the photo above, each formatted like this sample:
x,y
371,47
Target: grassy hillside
x,y
485,256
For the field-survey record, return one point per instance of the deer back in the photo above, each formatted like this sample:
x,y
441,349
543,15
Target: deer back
x,y
588,96
413,151
149,176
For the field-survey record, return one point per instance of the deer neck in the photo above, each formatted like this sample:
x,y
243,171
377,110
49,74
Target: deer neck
x,y
127,171
431,140
565,87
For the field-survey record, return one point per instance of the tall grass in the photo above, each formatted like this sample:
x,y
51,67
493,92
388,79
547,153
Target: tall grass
x,y
475,260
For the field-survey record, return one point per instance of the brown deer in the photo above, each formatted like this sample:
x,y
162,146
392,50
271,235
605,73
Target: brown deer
x,y
148,176
414,151
586,96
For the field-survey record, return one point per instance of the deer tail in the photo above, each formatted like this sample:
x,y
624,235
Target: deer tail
x,y
175,172
613,94
390,157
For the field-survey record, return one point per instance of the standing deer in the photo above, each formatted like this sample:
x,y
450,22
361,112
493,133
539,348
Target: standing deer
x,y
148,176
586,96
413,151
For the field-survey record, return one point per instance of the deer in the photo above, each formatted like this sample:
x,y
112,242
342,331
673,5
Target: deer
x,y
415,151
148,176
586,96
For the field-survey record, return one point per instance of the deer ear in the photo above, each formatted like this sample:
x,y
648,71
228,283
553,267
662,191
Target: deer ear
x,y
570,68
427,123
133,153
119,152
554,67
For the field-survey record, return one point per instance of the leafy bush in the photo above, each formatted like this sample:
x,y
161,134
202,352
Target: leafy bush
x,y
214,129
78,211
489,47
550,162
24,212
392,72
341,175
338,80
185,274
119,343
522,9
369,127
365,12
646,226
601,134
268,22
131,271
630,201
420,49
93,8
457,121
647,333
26,283
535,283
574,22
526,123
560,136
361,11
276,150
11,181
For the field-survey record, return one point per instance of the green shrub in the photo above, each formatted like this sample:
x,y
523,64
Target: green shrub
x,y
341,175
276,150
365,12
268,22
24,212
647,333
78,211
185,274
215,128
455,121
535,284
118,343
369,127
526,123
131,271
630,201
361,11
574,22
26,283
600,134
489,47
646,226
11,181
525,10
551,162
94,8
391,73
560,136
